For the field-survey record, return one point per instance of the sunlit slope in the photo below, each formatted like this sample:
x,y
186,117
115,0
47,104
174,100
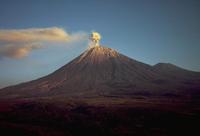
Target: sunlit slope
x,y
101,71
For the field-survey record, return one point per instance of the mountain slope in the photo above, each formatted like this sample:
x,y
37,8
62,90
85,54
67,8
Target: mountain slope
x,y
172,71
102,71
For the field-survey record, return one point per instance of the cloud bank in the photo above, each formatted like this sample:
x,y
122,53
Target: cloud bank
x,y
18,51
18,43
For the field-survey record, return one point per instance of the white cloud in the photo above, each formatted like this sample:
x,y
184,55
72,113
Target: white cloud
x,y
18,43
17,51
39,34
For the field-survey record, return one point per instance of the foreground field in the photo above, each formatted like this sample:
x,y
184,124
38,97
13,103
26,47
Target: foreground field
x,y
110,116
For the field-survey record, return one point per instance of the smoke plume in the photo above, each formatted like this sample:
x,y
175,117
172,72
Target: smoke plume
x,y
94,39
18,43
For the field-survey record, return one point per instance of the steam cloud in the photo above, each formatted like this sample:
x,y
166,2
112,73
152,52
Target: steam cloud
x,y
95,38
18,43
18,51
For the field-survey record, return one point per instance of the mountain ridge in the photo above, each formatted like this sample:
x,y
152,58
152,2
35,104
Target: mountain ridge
x,y
102,71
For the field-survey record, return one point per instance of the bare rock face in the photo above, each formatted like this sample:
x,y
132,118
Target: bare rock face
x,y
102,71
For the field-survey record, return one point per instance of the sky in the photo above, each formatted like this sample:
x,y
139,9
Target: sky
x,y
39,36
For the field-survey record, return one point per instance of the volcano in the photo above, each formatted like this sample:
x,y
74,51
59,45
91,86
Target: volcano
x,y
102,71
104,93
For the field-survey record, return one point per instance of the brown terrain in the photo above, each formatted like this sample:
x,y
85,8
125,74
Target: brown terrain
x,y
104,93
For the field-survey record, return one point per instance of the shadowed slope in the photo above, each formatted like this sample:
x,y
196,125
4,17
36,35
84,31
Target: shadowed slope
x,y
102,71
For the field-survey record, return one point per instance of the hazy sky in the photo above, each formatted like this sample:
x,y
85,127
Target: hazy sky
x,y
39,36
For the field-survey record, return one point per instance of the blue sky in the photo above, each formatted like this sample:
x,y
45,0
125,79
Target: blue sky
x,y
150,31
